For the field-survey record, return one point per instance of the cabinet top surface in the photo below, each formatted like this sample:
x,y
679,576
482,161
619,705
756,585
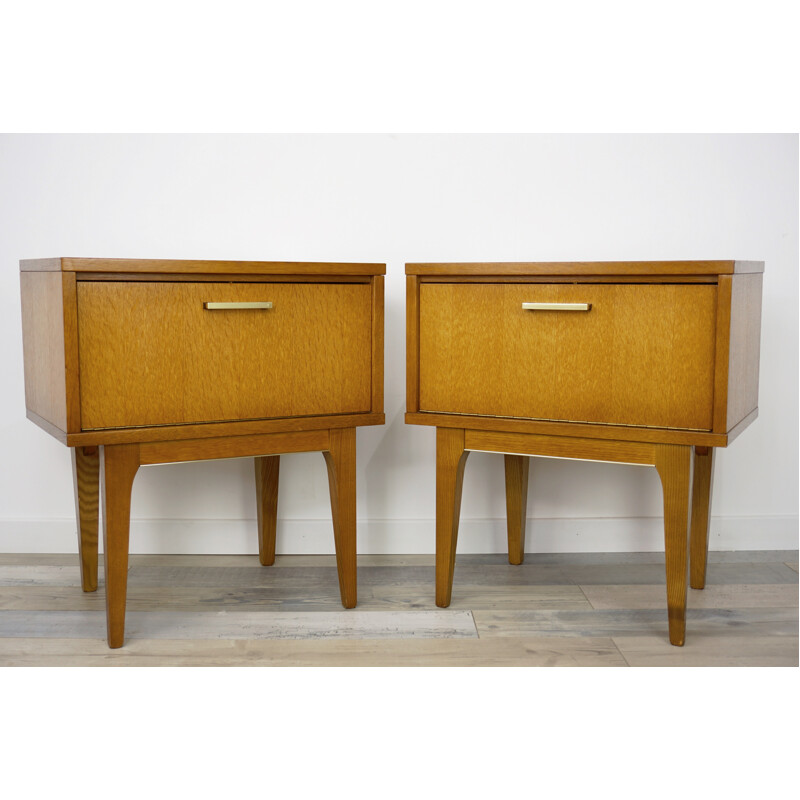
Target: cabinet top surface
x,y
609,268
192,267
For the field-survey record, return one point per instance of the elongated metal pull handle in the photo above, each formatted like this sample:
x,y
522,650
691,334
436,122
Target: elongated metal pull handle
x,y
556,306
231,306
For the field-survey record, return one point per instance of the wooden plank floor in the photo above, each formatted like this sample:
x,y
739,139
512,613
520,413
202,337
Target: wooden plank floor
x,y
603,609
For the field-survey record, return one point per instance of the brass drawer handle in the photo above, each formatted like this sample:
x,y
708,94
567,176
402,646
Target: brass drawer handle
x,y
232,306
556,306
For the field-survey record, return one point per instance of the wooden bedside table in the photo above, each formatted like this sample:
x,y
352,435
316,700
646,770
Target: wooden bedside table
x,y
634,362
133,362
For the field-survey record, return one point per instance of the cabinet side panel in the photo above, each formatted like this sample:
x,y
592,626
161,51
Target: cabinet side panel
x,y
377,344
70,311
745,345
721,354
412,343
43,346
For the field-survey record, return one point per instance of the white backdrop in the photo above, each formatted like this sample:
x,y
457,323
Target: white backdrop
x,y
398,198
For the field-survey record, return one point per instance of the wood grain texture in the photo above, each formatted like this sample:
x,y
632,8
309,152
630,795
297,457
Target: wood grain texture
x,y
412,343
702,482
43,347
616,432
723,596
573,279
722,353
516,473
340,459
164,433
190,266
462,651
674,465
732,650
233,447
723,573
40,265
621,623
86,484
620,268
375,596
754,558
118,466
150,351
267,470
742,426
451,458
738,342
197,277
71,351
643,355
54,431
218,601
745,346
561,447
243,624
377,345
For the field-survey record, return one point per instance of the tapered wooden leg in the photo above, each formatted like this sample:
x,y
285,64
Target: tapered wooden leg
x,y
267,506
674,465
701,513
450,461
86,480
118,467
516,505
341,461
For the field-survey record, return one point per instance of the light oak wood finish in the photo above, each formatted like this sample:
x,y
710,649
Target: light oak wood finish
x,y
561,447
118,466
674,465
233,446
412,343
340,459
173,433
702,481
516,468
451,458
267,470
615,432
124,356
739,336
135,266
86,482
308,355
642,355
376,343
49,345
582,269
198,277
661,358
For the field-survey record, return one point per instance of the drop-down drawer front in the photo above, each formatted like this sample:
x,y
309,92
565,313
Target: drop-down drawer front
x,y
152,353
619,354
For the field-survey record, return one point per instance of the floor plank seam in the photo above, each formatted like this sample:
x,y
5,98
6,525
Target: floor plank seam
x,y
588,599
618,649
474,624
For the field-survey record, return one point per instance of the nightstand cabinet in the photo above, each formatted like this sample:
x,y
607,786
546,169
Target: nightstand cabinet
x,y
650,363
132,362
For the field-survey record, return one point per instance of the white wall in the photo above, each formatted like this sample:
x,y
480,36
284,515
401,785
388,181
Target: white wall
x,y
394,199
